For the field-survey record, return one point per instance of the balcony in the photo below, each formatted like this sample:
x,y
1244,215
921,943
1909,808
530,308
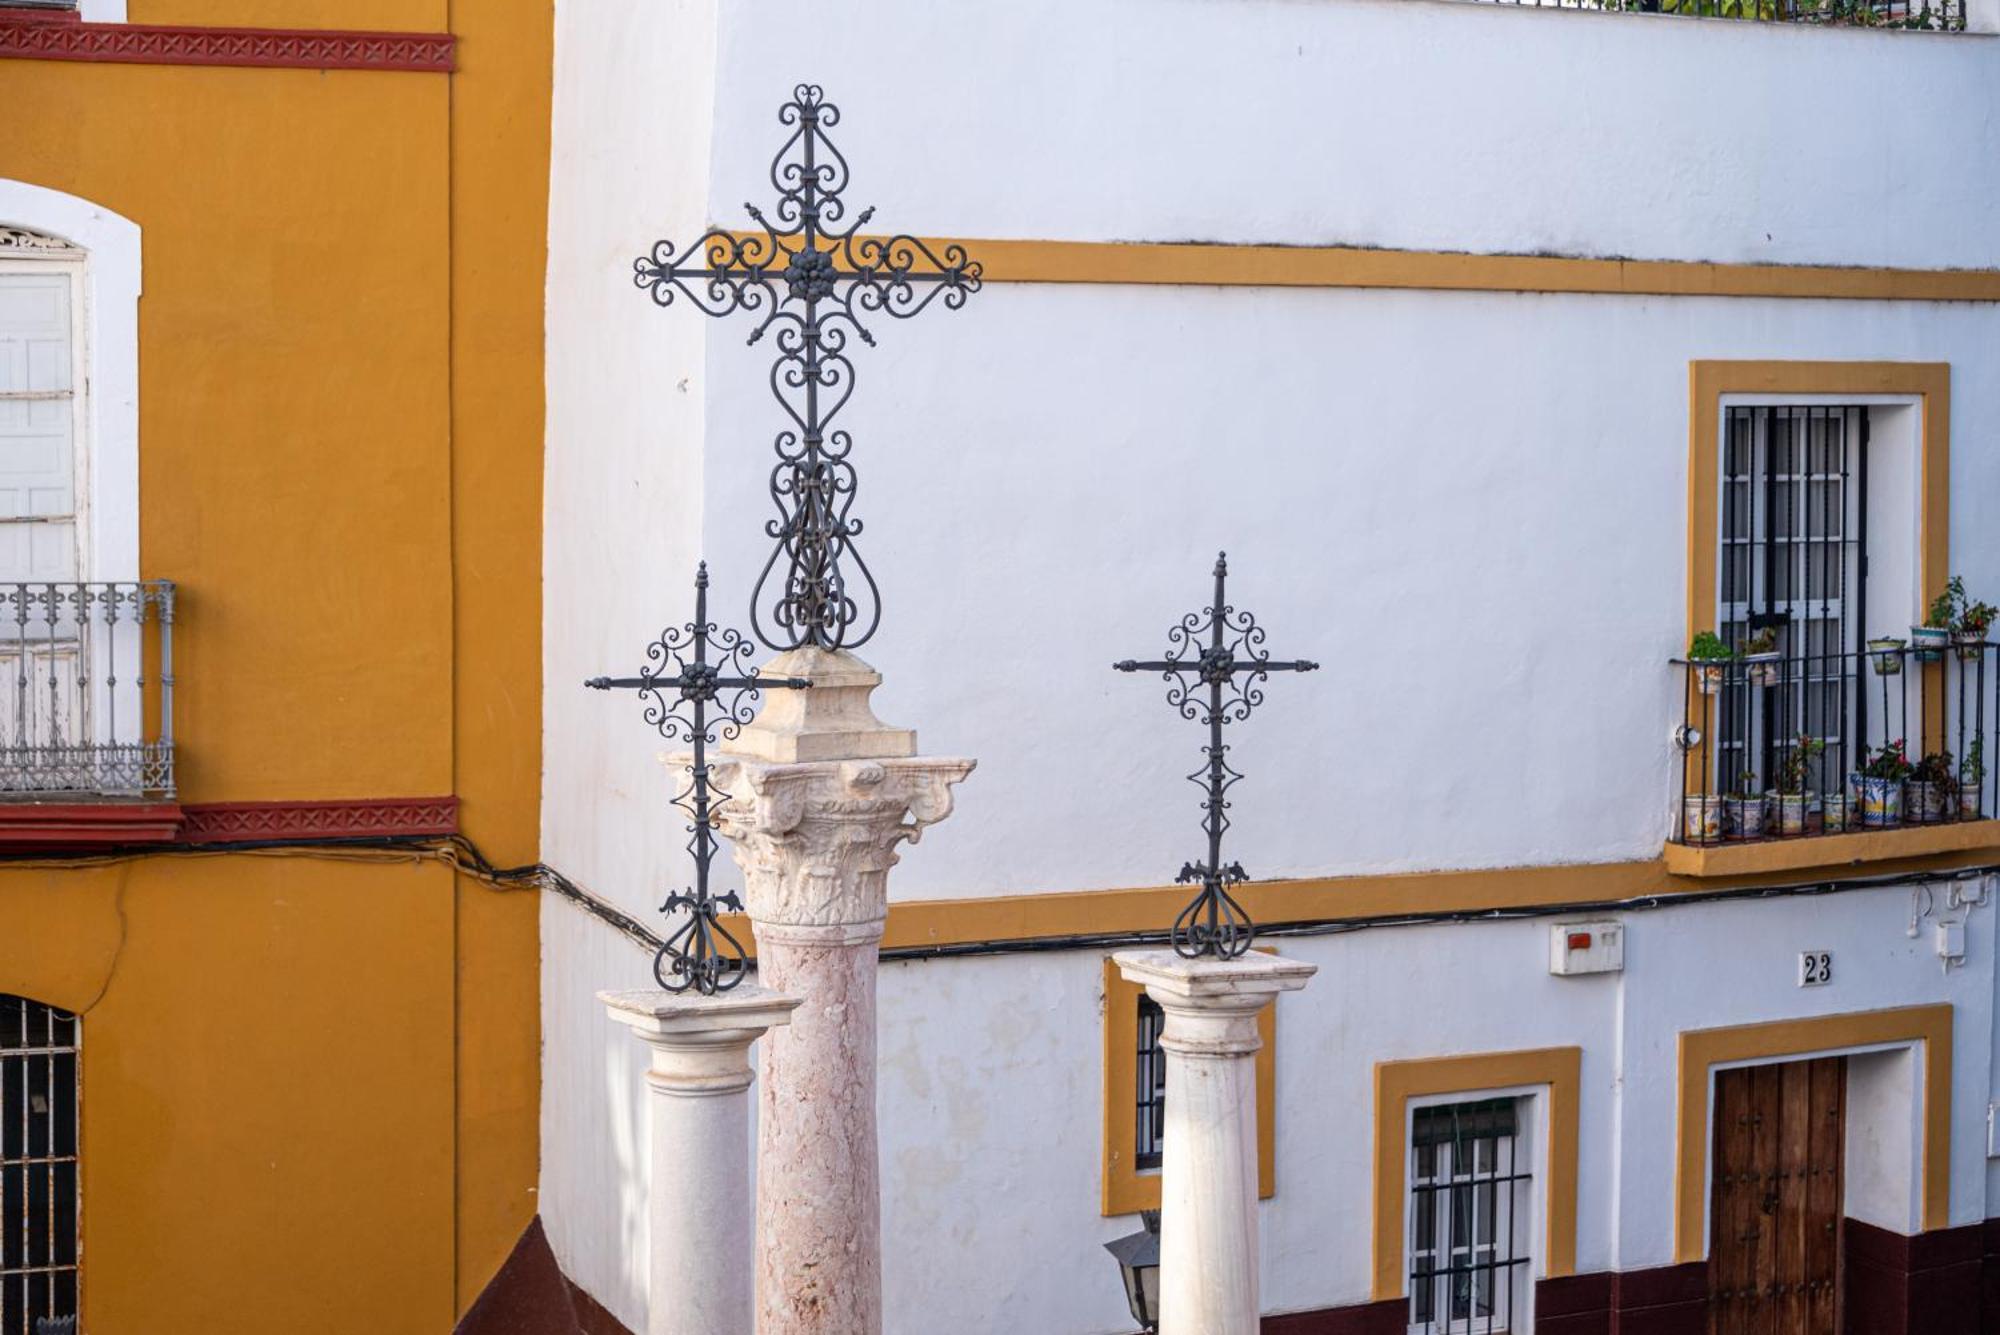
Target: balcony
x,y
1925,15
87,712
1793,762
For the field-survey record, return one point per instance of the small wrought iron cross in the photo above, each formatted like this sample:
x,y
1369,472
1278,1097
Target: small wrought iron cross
x,y
813,280
700,953
1216,665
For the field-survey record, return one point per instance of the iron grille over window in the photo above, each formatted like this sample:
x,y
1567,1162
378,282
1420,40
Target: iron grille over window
x,y
1468,1244
1152,1085
38,1164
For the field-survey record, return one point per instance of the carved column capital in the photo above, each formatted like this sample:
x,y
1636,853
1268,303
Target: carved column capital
x,y
816,839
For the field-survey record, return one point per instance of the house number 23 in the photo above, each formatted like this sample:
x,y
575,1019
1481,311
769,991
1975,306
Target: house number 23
x,y
1815,967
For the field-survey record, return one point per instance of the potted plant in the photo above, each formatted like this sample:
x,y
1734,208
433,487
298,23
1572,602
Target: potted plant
x,y
1930,638
1788,797
1746,808
1710,658
1932,785
1974,619
1878,785
1836,812
1760,656
1702,818
1887,653
1971,775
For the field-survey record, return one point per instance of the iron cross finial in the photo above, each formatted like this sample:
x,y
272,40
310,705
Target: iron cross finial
x,y
812,280
679,685
1216,665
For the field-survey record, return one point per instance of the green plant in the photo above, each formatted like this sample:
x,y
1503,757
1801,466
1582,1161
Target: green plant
x,y
1936,768
1944,606
1975,618
1973,771
1798,761
1746,787
1888,763
1709,648
1764,641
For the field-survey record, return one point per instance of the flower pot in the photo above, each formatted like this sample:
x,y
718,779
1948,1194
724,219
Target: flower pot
x,y
1923,801
1888,656
1787,812
1835,811
1701,820
1746,817
1708,674
1880,800
1971,644
1929,642
1968,801
1763,668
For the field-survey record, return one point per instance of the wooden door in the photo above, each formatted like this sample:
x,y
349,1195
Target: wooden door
x,y
1774,1239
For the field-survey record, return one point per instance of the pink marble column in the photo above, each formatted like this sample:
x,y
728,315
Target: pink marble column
x,y
820,796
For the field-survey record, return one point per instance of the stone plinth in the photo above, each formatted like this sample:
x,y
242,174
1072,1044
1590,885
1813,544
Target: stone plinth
x,y
700,1267
1208,1187
820,794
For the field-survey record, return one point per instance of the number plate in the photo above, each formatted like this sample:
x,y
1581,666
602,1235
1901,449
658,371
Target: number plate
x,y
1815,968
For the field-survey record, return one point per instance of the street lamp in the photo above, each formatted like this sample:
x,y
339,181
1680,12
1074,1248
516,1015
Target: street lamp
x,y
1138,1256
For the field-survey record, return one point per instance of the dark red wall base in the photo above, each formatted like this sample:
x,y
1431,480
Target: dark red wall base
x,y
531,1296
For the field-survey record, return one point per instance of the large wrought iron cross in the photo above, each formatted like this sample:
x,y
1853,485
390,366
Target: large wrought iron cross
x,y
1216,665
700,953
812,279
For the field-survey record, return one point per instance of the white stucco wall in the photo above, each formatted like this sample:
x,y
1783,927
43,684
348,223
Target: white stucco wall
x,y
1471,508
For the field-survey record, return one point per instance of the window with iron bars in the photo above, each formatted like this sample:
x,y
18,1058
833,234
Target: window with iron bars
x,y
1152,1092
1470,1213
39,1124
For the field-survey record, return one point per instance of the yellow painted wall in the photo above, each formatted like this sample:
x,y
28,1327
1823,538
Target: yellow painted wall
x,y
340,441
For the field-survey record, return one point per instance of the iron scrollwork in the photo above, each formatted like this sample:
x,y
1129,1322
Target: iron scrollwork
x,y
811,276
683,690
1216,667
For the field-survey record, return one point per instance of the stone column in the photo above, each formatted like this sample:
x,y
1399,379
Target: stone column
x,y
820,794
701,1262
1208,1188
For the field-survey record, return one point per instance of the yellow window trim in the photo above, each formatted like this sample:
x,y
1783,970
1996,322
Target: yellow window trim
x,y
1701,1050
1397,1082
1127,1190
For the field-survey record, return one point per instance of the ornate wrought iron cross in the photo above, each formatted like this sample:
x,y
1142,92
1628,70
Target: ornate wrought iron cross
x,y
814,281
1216,665
700,953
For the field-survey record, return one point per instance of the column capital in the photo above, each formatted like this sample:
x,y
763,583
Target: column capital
x,y
700,1044
1211,1005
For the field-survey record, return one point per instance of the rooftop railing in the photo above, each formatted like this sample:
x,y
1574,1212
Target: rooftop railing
x,y
1785,747
87,689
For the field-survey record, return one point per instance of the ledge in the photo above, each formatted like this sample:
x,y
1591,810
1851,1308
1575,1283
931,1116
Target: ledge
x,y
45,826
1811,851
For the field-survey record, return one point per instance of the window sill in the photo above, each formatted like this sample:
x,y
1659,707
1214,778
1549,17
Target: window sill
x,y
1810,851
44,827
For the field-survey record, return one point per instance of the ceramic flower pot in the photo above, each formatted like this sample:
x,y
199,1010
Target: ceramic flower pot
x,y
1923,801
1746,817
1880,800
1787,812
1968,801
1702,819
1929,642
1835,811
1971,644
1887,654
1763,668
1708,674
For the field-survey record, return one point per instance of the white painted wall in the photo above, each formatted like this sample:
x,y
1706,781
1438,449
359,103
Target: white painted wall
x,y
1470,507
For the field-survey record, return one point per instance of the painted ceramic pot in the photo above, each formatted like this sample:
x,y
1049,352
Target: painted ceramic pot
x,y
1929,642
1708,675
1834,813
1746,817
1763,668
1888,656
1968,801
1787,812
1971,644
1880,800
1923,801
1701,820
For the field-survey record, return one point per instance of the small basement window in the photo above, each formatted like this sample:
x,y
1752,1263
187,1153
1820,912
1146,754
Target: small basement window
x,y
40,1075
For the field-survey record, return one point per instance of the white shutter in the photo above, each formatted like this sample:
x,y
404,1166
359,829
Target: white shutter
x,y
38,531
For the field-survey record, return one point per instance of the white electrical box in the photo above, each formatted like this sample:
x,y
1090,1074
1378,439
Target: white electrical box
x,y
1951,942
1586,947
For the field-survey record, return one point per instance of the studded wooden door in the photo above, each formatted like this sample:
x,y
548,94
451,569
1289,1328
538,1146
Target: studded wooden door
x,y
1774,1239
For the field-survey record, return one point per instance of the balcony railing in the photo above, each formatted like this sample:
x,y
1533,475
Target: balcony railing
x,y
87,689
1932,15
1797,747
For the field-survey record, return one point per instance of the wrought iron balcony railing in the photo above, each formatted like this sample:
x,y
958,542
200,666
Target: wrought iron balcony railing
x,y
1932,15
87,689
1783,747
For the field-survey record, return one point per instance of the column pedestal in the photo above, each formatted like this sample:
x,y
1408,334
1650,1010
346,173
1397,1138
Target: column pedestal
x,y
699,1280
1208,1188
820,794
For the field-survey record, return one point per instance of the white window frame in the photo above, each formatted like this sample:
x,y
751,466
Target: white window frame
x,y
1530,1226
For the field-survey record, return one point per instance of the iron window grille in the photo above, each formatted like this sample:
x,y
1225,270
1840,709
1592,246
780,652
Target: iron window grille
x,y
40,1090
1469,1241
1152,1100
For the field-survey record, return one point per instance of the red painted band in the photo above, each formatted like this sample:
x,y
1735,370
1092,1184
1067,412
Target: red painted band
x,y
23,38
346,818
